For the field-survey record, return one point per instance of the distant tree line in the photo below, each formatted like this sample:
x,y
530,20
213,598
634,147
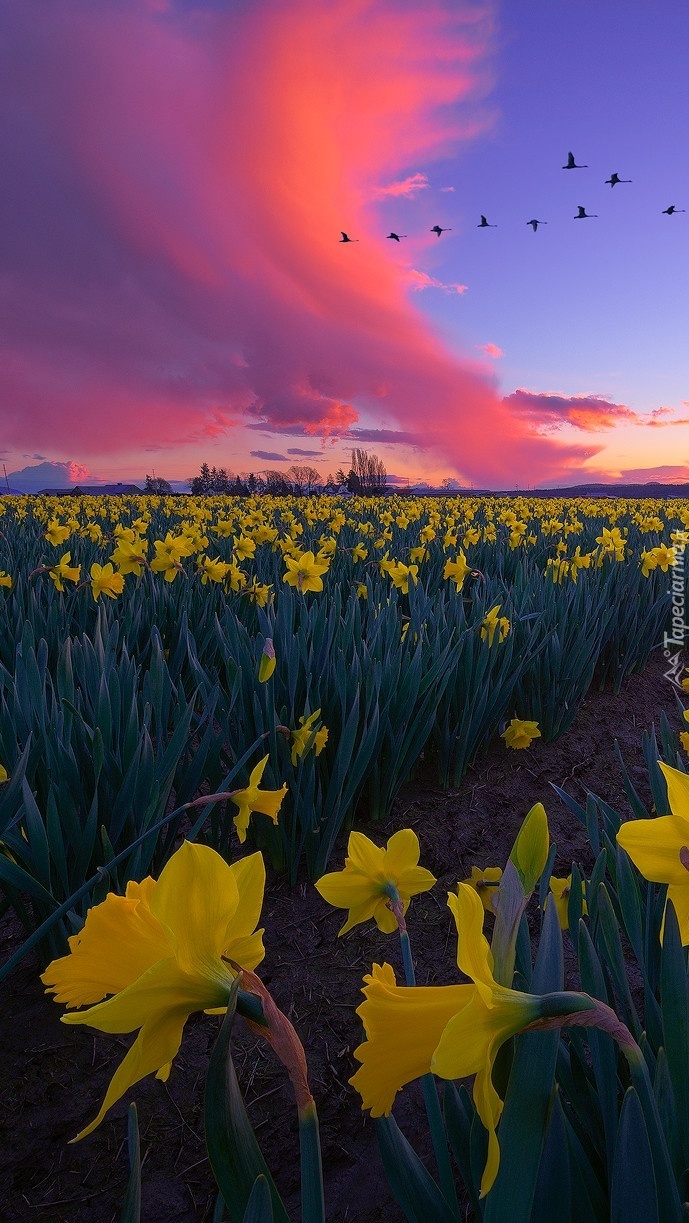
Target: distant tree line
x,y
367,477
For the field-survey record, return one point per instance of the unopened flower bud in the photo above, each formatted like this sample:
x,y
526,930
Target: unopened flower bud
x,y
267,663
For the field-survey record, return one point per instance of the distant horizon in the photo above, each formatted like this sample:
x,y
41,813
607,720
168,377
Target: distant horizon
x,y
395,483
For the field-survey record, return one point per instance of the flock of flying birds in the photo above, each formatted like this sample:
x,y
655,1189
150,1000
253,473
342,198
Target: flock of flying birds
x,y
582,214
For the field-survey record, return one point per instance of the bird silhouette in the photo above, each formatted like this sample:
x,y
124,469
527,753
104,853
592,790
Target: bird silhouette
x,y
572,165
669,211
397,237
484,224
582,214
438,229
535,224
615,178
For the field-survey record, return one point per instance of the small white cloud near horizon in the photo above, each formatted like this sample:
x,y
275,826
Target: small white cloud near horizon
x,y
406,187
491,350
421,280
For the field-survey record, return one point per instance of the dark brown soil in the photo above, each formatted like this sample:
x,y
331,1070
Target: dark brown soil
x,y
55,1076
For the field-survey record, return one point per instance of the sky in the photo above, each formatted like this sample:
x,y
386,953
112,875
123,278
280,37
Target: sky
x,y
173,289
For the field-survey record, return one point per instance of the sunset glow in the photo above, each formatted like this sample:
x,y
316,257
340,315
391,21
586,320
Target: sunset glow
x,y
173,287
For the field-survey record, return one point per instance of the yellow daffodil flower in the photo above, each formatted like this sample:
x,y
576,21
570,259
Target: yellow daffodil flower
x,y
557,569
64,572
223,528
485,883
579,561
371,875
267,802
56,532
4,775
520,733
258,592
235,576
457,570
560,891
664,557
306,735
452,1030
5,579
304,571
244,548
130,555
161,951
659,847
402,575
212,570
492,625
104,581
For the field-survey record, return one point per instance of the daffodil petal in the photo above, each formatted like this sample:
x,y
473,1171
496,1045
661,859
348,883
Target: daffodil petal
x,y
198,925
416,879
162,987
364,855
474,956
346,889
257,772
402,852
679,897
153,1050
654,845
142,891
120,940
361,913
677,789
463,1047
489,1107
385,918
249,874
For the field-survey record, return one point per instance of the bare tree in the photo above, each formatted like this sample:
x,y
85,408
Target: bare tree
x,y
370,473
304,478
277,485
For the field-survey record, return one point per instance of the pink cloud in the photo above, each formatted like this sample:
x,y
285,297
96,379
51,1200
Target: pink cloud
x,y
175,182
546,410
421,280
491,350
658,419
403,187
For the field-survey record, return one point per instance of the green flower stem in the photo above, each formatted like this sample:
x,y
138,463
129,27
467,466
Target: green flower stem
x,y
430,1093
250,1007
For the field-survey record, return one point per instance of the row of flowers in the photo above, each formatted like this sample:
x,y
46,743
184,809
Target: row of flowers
x,y
147,960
